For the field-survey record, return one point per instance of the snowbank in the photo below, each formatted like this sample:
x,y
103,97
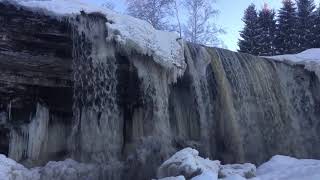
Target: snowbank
x,y
190,165
310,58
164,47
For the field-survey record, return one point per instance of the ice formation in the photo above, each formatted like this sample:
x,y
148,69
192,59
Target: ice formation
x,y
166,48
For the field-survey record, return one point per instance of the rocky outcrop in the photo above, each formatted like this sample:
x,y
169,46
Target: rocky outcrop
x,y
35,86
68,89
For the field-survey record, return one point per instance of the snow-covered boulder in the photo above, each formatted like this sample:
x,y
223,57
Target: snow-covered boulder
x,y
246,170
62,170
288,168
188,163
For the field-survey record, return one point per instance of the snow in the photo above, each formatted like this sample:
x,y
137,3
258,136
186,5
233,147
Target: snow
x,y
244,170
310,58
173,178
164,47
284,168
68,169
234,177
189,164
206,176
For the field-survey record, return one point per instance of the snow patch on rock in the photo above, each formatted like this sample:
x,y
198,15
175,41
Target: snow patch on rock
x,y
189,164
284,168
166,48
310,58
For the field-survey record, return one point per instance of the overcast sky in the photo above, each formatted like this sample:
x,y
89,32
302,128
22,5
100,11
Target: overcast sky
x,y
231,12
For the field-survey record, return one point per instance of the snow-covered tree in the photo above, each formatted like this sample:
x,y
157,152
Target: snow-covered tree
x,y
287,30
317,29
305,23
154,11
267,32
200,27
249,34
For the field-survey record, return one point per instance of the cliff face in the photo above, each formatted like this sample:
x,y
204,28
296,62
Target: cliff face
x,y
68,90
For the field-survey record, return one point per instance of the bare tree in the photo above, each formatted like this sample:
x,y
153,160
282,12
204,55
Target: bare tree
x,y
176,7
154,11
109,4
200,27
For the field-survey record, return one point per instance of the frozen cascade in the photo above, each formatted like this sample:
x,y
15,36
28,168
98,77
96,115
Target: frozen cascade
x,y
125,112
97,129
30,141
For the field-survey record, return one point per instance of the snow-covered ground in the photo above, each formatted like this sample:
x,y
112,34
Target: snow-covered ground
x,y
310,58
63,170
164,47
187,164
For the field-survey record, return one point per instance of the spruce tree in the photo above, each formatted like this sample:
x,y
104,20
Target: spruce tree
x,y
286,28
267,32
305,24
249,34
317,29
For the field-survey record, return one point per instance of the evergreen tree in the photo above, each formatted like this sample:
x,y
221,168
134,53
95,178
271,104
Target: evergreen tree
x,y
267,32
249,35
286,28
305,24
317,29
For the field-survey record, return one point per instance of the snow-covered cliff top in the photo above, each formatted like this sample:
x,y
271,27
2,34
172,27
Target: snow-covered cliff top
x,y
163,46
310,58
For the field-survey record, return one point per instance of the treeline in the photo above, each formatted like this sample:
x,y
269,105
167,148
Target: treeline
x,y
295,28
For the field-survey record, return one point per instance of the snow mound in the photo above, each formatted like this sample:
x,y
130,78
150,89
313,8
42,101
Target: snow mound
x,y
165,47
284,168
310,58
189,164
68,169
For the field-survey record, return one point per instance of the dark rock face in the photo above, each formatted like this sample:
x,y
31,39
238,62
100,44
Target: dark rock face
x,y
35,66
67,91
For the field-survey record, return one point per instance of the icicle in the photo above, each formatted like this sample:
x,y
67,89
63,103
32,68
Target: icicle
x,y
9,111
